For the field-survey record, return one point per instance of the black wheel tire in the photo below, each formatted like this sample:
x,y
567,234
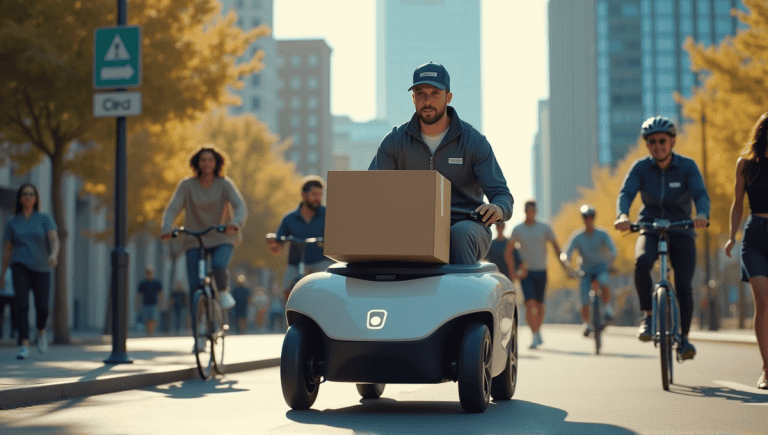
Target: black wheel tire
x,y
370,391
299,390
597,323
503,386
201,331
665,338
219,320
475,368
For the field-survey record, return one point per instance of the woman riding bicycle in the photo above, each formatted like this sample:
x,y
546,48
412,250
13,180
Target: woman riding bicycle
x,y
206,198
667,183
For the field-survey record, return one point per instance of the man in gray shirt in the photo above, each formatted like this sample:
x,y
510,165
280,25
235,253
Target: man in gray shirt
x,y
597,252
532,237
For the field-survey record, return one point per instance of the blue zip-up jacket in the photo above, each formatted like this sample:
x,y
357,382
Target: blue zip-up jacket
x,y
464,157
665,194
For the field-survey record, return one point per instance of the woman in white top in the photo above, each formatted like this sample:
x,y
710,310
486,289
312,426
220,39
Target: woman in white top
x,y
206,198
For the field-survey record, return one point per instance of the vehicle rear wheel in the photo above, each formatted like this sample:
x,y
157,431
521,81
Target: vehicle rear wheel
x,y
298,355
503,386
370,391
474,368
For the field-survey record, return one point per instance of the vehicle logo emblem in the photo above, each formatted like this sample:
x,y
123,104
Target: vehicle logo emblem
x,y
376,319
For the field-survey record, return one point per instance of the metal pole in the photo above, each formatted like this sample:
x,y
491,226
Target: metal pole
x,y
713,305
119,254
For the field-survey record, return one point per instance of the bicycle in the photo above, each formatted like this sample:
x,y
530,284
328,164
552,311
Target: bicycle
x,y
302,244
595,304
209,324
665,325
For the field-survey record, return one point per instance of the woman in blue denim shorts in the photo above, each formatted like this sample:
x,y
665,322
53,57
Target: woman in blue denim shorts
x,y
752,178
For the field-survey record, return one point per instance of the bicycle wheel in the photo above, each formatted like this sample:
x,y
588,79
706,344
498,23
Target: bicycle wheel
x,y
218,332
664,323
597,324
201,331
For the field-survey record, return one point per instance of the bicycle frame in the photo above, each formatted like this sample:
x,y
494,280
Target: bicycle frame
x,y
664,282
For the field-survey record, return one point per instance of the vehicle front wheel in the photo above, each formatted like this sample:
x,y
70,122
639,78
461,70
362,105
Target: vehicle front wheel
x,y
370,391
299,388
474,367
503,387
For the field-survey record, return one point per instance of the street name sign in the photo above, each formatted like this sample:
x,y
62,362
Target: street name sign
x,y
117,57
116,104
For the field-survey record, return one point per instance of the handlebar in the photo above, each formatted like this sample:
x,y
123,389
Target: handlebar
x,y
176,231
473,215
283,239
661,225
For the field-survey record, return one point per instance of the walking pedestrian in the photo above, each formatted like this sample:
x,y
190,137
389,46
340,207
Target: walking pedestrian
x,y
6,299
178,302
148,298
31,247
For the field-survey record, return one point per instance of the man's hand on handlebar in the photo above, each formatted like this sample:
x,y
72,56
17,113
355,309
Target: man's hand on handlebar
x,y
700,221
622,223
232,228
491,213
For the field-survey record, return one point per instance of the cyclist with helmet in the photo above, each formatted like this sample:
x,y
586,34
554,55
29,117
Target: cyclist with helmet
x,y
597,252
667,183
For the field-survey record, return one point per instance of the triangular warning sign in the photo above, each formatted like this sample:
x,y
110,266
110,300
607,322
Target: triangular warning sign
x,y
117,50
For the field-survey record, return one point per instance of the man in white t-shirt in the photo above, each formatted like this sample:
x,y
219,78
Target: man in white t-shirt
x,y
531,237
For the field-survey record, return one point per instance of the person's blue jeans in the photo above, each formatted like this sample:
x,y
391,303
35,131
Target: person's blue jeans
x,y
219,261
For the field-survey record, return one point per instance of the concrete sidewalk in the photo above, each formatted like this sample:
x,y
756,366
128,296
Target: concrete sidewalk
x,y
78,369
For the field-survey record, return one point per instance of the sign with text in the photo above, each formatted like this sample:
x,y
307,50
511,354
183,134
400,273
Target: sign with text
x,y
116,104
117,57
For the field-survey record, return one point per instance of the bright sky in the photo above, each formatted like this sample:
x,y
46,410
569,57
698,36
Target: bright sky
x,y
515,70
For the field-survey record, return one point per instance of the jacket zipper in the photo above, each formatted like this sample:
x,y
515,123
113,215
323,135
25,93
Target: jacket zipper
x,y
661,200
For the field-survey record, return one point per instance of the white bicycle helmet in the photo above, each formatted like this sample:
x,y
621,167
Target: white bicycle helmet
x,y
658,124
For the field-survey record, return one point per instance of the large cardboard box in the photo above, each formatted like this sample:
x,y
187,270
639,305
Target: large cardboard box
x,y
388,216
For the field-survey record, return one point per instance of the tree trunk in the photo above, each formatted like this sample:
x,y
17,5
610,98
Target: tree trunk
x,y
60,299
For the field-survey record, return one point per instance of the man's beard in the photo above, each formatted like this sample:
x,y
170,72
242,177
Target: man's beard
x,y
310,206
438,116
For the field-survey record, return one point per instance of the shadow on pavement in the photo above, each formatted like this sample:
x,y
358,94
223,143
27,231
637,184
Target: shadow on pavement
x,y
602,354
739,395
392,416
196,388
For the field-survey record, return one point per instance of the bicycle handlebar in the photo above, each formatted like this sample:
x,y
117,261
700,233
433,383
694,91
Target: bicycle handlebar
x,y
473,215
282,239
176,231
662,225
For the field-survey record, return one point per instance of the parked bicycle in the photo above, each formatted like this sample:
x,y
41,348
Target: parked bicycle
x,y
665,325
209,322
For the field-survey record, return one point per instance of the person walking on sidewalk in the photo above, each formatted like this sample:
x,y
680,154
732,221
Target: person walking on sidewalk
x,y
532,236
178,302
6,298
752,178
31,247
496,255
149,292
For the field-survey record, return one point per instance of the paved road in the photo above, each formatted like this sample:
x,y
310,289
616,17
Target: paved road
x,y
563,388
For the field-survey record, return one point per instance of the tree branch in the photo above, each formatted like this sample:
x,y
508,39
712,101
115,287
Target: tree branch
x,y
40,143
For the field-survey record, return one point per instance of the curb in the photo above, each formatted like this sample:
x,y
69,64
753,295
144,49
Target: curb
x,y
51,392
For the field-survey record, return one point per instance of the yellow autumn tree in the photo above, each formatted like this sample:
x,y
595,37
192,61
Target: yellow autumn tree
x,y
46,47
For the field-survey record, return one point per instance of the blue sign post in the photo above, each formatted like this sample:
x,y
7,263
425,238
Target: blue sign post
x,y
117,57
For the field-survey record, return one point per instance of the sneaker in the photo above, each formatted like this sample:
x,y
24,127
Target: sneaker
x,y
226,299
42,343
644,333
608,313
586,329
686,350
536,340
23,352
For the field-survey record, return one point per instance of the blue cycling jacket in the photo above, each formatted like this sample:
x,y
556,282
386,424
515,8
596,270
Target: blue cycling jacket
x,y
665,194
464,157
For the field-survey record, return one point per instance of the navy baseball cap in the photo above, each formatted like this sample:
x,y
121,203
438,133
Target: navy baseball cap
x,y
431,74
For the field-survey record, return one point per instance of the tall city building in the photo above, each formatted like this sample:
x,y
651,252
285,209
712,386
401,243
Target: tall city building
x,y
305,116
357,142
260,92
540,164
614,63
414,32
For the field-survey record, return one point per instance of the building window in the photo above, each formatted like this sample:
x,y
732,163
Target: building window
x,y
296,138
312,157
296,83
295,121
312,139
294,156
295,103
313,60
312,83
255,22
255,4
255,80
240,22
256,103
630,10
312,103
295,60
240,4
313,121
